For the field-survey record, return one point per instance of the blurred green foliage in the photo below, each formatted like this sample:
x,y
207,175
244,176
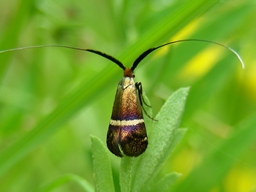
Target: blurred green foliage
x,y
52,99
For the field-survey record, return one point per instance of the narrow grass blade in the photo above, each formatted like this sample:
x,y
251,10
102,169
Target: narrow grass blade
x,y
55,184
219,161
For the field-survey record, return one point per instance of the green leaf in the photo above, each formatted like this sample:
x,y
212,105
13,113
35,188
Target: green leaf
x,y
165,183
136,172
55,184
168,180
126,168
101,166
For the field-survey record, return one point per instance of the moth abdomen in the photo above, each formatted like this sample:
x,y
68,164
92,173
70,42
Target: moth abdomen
x,y
127,137
134,140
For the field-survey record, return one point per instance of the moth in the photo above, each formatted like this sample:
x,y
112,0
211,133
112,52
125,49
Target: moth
x,y
127,135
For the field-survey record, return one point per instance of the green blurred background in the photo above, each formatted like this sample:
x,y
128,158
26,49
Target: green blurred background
x,y
52,99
